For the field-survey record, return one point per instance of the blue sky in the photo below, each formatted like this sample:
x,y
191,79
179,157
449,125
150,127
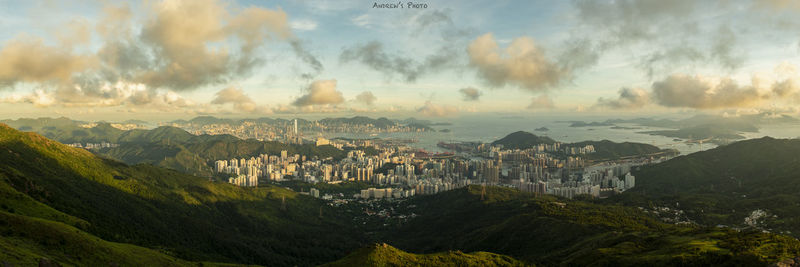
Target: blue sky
x,y
169,59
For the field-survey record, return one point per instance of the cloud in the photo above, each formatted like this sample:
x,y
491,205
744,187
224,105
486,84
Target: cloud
x,y
373,55
722,49
86,94
522,64
435,110
320,92
306,57
781,85
426,19
303,25
703,93
38,98
629,98
28,59
578,54
541,102
75,32
182,45
632,20
366,97
179,33
363,21
660,35
470,94
235,96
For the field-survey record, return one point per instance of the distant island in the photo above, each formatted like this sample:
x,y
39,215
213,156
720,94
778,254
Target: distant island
x,y
589,124
604,150
541,129
616,127
708,134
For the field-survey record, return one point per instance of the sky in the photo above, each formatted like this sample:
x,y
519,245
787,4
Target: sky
x,y
437,59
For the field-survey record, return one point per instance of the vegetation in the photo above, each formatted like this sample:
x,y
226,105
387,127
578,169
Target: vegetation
x,y
27,241
548,230
71,207
727,184
180,215
604,150
197,157
523,140
608,150
385,255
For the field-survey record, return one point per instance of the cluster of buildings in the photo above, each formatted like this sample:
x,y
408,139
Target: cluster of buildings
x,y
93,145
401,171
284,130
386,193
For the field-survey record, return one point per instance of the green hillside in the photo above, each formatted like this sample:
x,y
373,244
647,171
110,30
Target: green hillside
x,y
604,150
611,150
71,207
181,215
196,157
27,240
167,146
727,184
549,231
522,140
385,255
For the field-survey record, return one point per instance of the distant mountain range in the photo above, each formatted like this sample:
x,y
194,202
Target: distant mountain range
x,y
167,146
715,128
380,123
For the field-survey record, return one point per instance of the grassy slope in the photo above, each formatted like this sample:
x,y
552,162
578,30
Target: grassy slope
x,y
184,215
385,255
540,230
26,240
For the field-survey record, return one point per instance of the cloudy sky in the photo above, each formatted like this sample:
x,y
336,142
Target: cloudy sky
x,y
170,59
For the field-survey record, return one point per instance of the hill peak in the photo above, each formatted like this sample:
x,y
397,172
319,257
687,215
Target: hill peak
x,y
522,140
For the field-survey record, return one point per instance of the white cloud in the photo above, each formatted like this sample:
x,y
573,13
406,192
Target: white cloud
x,y
522,63
303,25
320,92
363,20
437,110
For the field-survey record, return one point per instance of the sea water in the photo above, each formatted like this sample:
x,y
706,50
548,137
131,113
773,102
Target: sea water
x,y
488,128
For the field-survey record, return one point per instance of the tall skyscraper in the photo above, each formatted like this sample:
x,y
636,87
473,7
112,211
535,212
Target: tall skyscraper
x,y
295,127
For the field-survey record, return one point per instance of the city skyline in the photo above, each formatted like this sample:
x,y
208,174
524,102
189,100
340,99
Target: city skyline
x,y
179,59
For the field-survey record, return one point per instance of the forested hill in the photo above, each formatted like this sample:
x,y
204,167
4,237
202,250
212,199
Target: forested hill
x,y
522,140
546,230
167,146
727,184
60,188
604,150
